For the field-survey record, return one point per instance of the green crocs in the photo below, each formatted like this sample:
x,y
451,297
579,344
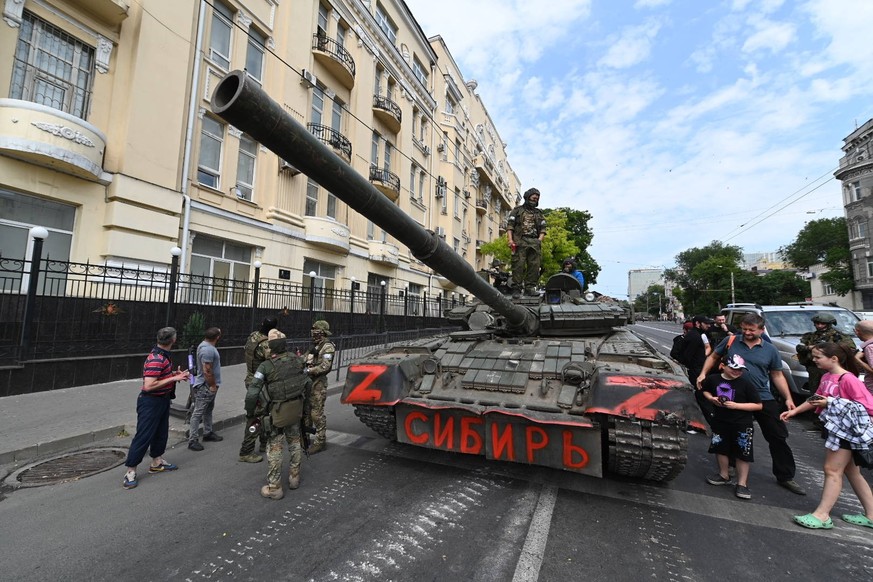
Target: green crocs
x,y
812,522
861,520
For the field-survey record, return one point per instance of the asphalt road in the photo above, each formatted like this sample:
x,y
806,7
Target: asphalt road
x,y
369,509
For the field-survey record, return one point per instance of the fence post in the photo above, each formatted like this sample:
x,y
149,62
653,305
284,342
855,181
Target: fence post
x,y
174,274
382,307
424,311
406,306
355,286
311,295
255,292
39,234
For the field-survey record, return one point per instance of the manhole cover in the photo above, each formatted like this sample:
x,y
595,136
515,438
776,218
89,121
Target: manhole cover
x,y
67,467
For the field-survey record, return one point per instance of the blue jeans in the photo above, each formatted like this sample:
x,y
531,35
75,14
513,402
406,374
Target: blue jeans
x,y
204,402
152,428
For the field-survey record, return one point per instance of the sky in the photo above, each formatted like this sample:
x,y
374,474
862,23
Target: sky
x,y
673,122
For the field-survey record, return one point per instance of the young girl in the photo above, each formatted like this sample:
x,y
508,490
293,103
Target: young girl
x,y
839,381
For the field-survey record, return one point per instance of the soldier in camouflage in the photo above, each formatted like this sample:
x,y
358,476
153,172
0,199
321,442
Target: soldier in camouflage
x,y
525,230
257,351
319,362
282,391
824,332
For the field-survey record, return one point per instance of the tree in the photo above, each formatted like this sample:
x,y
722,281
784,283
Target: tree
x,y
650,302
581,235
702,276
824,241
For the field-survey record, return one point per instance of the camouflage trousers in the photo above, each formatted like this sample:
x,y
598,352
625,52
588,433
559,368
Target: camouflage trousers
x,y
248,443
318,418
526,263
275,452
815,374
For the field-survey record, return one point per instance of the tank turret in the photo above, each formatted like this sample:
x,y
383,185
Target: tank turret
x,y
554,380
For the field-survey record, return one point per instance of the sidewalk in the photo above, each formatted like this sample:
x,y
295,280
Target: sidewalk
x,y
37,425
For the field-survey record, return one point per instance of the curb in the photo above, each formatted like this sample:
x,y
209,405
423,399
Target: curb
x,y
58,446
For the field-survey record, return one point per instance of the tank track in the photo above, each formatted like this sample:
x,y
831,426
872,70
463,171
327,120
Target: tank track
x,y
380,419
639,448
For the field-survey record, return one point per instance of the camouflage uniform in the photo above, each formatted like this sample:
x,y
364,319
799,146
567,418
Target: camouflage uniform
x,y
810,339
257,351
319,362
282,375
527,223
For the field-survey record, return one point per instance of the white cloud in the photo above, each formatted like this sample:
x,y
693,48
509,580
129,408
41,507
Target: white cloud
x,y
650,3
772,36
632,47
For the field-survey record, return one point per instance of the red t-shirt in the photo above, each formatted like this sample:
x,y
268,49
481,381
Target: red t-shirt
x,y
159,366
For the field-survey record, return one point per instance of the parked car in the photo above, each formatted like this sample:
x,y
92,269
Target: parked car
x,y
785,324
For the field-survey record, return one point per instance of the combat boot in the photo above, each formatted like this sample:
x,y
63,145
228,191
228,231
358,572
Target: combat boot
x,y
251,458
272,492
317,447
294,479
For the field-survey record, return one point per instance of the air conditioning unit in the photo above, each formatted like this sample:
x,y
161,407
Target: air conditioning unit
x,y
440,232
286,167
441,147
426,150
308,79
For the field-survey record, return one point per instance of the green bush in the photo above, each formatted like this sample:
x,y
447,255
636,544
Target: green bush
x,y
193,331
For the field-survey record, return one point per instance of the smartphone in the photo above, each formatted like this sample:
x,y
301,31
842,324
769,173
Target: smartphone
x,y
815,398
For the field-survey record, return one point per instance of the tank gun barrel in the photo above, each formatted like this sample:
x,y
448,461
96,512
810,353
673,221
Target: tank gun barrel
x,y
243,103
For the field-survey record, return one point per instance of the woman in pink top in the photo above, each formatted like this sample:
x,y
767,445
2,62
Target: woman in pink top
x,y
838,381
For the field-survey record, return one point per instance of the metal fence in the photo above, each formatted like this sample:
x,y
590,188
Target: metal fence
x,y
52,308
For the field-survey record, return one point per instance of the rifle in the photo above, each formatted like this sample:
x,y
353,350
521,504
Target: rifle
x,y
305,431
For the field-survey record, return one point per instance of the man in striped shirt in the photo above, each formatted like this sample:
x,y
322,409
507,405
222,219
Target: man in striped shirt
x,y
153,409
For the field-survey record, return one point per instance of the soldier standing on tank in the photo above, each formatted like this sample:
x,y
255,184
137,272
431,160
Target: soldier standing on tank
x,y
257,351
319,362
824,332
288,392
525,230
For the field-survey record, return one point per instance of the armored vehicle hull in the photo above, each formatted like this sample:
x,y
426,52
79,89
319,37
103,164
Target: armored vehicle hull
x,y
552,380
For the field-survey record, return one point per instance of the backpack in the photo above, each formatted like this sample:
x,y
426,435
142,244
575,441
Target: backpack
x,y
679,343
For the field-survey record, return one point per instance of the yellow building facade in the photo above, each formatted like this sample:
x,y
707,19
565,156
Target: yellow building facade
x,y
107,139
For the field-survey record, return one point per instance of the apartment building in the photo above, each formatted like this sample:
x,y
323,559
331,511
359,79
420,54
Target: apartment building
x,y
856,175
107,139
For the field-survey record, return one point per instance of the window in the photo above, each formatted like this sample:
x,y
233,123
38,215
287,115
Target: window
x,y
415,116
311,198
322,284
422,177
18,214
336,118
374,149
220,271
856,191
317,104
211,140
245,168
219,39
858,229
419,71
457,203
331,205
255,55
374,291
385,23
423,136
870,267
412,175
341,32
828,289
450,105
388,148
377,83
321,29
52,68
456,245
371,230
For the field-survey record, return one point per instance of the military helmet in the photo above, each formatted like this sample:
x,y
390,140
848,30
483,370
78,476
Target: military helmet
x,y
496,263
530,192
570,262
824,318
322,326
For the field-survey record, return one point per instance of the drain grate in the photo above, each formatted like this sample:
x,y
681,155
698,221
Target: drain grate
x,y
68,467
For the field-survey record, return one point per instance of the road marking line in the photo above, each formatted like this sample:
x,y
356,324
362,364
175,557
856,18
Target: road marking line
x,y
531,559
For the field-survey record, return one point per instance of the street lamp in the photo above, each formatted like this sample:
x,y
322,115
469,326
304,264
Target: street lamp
x,y
38,234
354,288
255,288
175,253
311,295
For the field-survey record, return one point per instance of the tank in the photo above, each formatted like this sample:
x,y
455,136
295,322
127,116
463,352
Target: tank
x,y
555,380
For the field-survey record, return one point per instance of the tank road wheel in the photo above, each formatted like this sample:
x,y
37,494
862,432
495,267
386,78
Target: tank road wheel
x,y
380,419
646,450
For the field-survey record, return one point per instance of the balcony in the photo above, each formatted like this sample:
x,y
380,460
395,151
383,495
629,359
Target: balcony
x,y
481,205
486,170
385,181
387,112
340,144
326,233
48,137
383,252
335,58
